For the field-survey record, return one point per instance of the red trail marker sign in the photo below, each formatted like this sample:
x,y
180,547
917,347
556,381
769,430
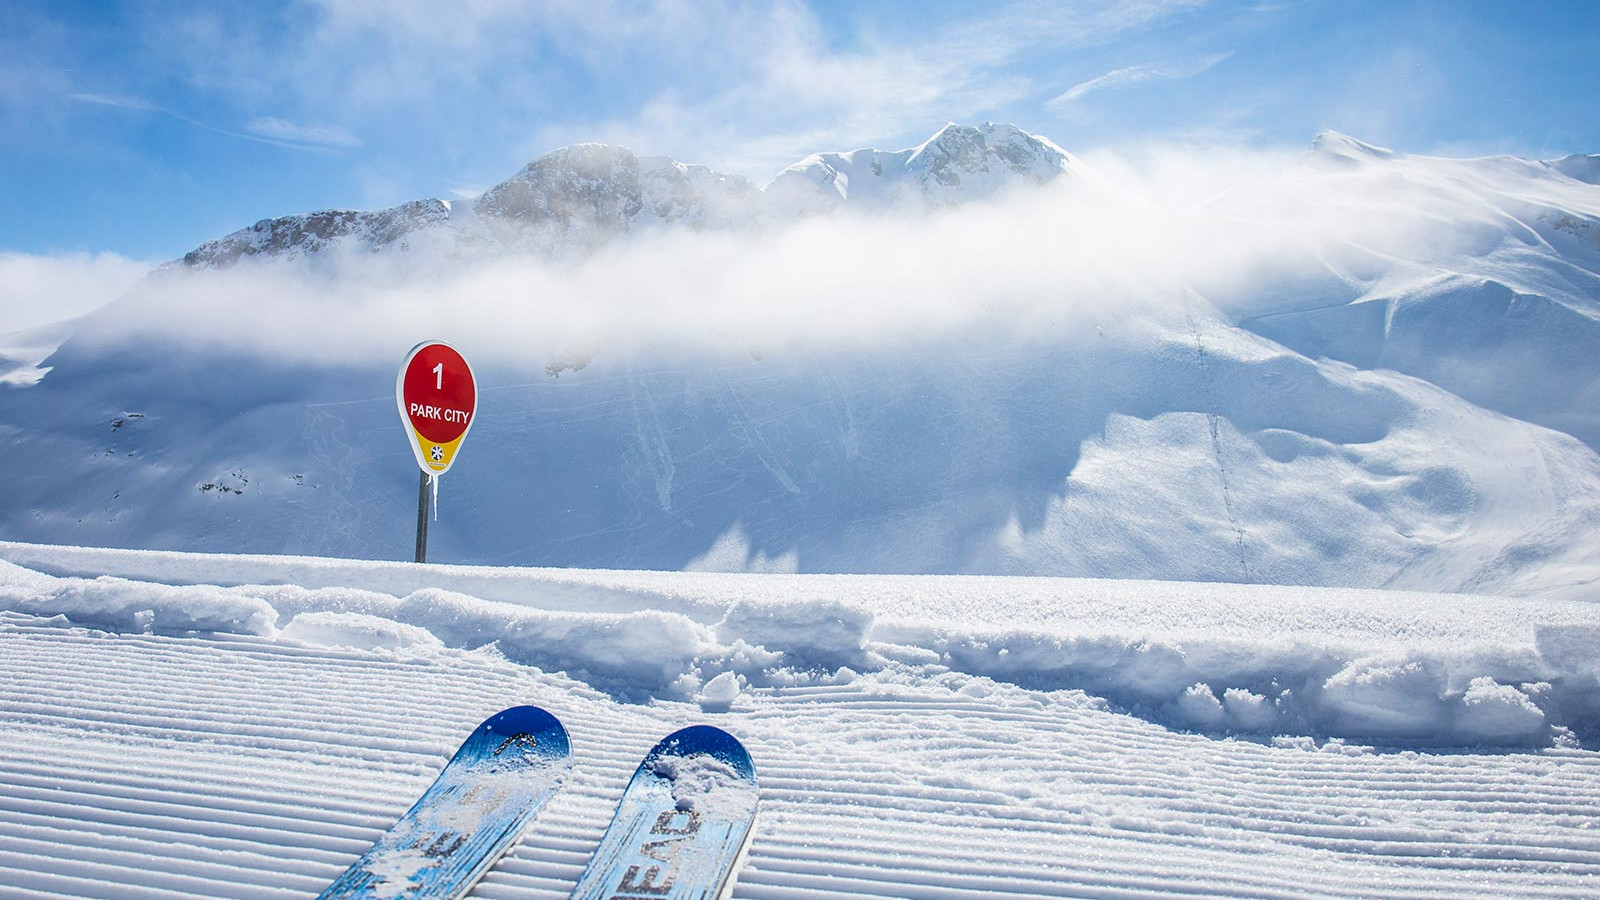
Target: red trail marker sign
x,y
438,400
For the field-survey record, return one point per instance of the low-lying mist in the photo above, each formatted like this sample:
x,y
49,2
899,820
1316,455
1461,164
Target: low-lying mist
x,y
40,290
1250,232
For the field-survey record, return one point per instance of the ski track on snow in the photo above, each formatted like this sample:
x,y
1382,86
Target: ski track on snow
x,y
158,768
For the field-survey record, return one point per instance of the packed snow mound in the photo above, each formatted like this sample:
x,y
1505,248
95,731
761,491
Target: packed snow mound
x,y
1396,668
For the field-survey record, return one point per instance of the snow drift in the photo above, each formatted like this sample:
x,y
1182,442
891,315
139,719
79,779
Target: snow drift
x,y
1402,669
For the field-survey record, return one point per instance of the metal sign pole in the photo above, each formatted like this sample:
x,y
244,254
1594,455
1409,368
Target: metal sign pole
x,y
437,398
423,495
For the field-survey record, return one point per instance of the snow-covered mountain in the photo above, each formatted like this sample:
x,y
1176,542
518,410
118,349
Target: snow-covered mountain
x,y
575,199
1361,370
1365,369
955,165
1501,304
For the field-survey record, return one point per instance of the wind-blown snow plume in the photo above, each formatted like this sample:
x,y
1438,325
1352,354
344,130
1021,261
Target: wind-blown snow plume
x,y
716,265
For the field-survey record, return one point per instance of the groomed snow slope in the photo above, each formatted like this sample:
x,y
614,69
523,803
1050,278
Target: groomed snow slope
x,y
917,737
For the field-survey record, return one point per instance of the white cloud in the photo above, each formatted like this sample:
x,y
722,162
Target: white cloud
x,y
790,90
1053,24
1131,75
288,132
743,87
278,132
119,102
38,290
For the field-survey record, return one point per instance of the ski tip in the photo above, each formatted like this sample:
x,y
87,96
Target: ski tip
x,y
711,741
545,734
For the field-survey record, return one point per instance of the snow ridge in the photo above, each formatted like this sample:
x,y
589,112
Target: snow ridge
x,y
1447,671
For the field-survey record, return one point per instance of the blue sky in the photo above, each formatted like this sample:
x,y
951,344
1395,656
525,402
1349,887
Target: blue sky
x,y
141,129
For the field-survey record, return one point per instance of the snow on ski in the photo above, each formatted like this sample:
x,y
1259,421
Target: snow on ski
x,y
682,824
471,815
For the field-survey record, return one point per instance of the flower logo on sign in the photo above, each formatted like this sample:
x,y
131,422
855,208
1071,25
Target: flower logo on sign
x,y
437,453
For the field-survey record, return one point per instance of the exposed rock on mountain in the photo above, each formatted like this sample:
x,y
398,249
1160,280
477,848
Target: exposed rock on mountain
x,y
292,236
574,200
580,197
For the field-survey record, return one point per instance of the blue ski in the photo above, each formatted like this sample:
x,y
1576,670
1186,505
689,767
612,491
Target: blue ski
x,y
682,825
486,795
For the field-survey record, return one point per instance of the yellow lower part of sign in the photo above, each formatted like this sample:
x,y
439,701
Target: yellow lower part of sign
x,y
437,457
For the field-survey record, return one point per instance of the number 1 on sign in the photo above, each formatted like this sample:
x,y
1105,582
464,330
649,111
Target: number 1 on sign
x,y
438,377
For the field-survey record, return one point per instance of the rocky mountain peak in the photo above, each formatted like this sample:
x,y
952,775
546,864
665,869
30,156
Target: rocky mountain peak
x,y
956,150
575,199
958,164
318,232
585,193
